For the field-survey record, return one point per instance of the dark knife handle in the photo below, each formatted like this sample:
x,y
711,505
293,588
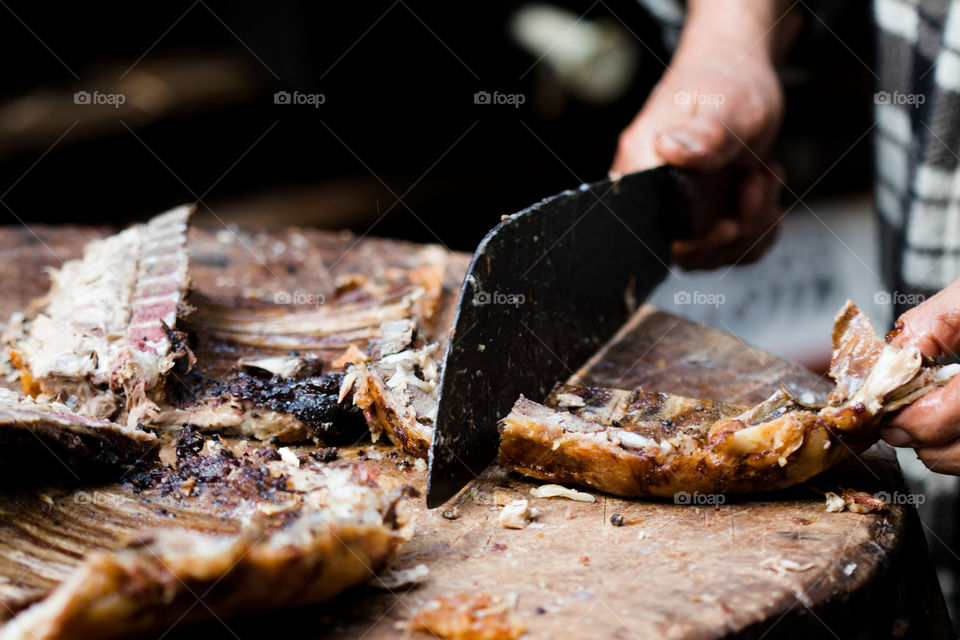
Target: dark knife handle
x,y
699,199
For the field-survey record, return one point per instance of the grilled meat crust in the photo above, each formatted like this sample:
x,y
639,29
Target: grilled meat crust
x,y
265,408
549,444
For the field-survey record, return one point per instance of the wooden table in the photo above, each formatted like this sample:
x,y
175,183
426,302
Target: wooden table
x,y
674,571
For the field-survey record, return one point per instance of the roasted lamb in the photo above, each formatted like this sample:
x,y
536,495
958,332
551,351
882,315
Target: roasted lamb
x,y
635,443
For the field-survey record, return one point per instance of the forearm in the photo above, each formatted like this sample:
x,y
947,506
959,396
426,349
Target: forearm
x,y
740,28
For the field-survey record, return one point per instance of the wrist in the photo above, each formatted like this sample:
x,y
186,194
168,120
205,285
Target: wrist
x,y
738,30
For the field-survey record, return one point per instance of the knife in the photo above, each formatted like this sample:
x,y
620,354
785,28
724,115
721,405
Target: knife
x,y
545,289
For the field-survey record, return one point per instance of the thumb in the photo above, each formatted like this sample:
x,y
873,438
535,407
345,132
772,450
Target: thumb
x,y
933,326
702,142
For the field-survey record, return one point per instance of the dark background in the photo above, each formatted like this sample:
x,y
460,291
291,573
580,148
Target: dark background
x,y
399,118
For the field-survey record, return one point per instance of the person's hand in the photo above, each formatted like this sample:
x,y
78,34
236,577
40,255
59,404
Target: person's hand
x,y
719,104
931,425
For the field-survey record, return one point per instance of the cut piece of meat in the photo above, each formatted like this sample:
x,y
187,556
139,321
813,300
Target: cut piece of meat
x,y
626,452
635,443
102,342
43,439
243,527
397,388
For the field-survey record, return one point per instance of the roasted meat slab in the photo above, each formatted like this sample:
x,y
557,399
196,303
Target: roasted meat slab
x,y
252,527
242,526
273,369
116,337
634,443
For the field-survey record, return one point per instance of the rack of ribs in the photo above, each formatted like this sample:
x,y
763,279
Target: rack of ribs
x,y
105,338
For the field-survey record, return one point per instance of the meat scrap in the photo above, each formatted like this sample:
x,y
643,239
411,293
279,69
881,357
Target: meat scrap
x,y
37,435
782,566
556,491
398,391
469,617
516,514
853,501
104,341
636,443
399,578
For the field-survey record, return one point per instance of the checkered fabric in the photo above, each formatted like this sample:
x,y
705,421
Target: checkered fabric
x,y
917,142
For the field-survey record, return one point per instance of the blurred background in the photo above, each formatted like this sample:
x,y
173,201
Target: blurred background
x,y
181,106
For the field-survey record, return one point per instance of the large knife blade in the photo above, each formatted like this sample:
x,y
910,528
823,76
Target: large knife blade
x,y
544,290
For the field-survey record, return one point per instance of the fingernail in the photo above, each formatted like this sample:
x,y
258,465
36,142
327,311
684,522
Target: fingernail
x,y
681,141
706,126
897,437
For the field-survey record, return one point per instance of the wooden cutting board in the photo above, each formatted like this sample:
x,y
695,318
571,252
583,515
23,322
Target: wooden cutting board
x,y
768,566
